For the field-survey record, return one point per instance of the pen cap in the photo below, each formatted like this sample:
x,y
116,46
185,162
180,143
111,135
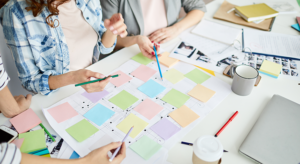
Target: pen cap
x,y
208,148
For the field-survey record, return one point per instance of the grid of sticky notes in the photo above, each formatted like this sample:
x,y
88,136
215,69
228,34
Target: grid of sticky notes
x,y
151,88
25,121
82,130
143,73
123,100
130,121
145,147
121,79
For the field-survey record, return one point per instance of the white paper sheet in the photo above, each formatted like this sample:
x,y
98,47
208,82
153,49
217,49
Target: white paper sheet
x,y
82,105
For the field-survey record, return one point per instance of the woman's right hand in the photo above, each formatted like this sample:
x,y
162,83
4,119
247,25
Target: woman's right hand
x,y
85,75
146,47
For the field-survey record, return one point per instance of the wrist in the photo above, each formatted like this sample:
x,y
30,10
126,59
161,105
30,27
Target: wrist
x,y
177,28
70,77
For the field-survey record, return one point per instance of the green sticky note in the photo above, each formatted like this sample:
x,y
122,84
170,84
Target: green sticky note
x,y
145,147
82,130
197,76
173,76
140,58
33,141
123,100
175,98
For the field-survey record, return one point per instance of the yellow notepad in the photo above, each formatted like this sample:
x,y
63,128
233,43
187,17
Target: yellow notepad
x,y
256,12
270,68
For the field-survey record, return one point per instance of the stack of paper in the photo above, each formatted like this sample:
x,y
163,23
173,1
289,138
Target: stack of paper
x,y
270,69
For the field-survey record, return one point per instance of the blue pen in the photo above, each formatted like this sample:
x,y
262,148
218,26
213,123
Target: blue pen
x,y
158,63
186,143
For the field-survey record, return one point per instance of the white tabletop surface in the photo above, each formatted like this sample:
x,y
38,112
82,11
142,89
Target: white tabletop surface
x,y
249,107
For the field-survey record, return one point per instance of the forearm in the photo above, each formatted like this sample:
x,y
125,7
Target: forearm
x,y
127,41
32,159
59,81
192,18
108,39
8,105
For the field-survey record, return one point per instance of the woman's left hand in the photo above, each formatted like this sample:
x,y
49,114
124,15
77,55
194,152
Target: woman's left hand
x,y
164,34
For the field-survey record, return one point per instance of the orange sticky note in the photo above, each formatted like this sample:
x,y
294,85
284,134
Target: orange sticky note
x,y
25,121
184,116
201,93
62,112
167,61
143,73
122,79
18,142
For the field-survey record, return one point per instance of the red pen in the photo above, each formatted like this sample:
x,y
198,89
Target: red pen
x,y
231,118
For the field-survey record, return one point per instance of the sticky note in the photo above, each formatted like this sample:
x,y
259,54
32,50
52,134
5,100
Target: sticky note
x,y
140,58
165,128
175,98
184,116
173,76
207,70
99,114
121,79
145,147
148,109
62,112
151,88
82,130
132,120
143,73
33,141
25,121
123,100
46,155
95,96
18,142
42,152
167,61
74,155
201,93
296,27
197,76
270,68
104,140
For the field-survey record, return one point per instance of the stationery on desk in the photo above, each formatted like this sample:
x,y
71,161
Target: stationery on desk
x,y
93,81
161,76
226,124
270,68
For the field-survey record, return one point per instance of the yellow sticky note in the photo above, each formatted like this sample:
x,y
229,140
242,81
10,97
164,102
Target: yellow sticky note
x,y
207,70
184,116
201,93
270,68
132,120
46,155
167,61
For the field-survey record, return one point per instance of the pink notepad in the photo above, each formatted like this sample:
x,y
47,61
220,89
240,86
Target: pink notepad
x,y
25,121
18,142
122,79
143,73
148,108
62,112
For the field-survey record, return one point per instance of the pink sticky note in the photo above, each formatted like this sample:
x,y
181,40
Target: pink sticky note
x,y
143,73
62,112
18,142
148,109
122,79
25,121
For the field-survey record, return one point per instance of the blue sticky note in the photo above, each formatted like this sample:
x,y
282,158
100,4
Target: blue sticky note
x,y
151,88
99,114
74,155
296,27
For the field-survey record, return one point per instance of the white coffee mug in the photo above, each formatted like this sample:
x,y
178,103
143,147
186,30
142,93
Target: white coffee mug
x,y
207,150
244,78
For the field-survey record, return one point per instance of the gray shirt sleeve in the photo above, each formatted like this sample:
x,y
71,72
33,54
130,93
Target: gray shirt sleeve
x,y
109,7
189,5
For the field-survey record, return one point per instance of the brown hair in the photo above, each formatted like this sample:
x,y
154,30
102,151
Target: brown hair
x,y
2,3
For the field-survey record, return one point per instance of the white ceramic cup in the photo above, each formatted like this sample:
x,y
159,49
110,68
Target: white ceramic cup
x,y
244,78
207,150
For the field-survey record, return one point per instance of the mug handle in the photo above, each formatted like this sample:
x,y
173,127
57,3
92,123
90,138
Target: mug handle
x,y
232,70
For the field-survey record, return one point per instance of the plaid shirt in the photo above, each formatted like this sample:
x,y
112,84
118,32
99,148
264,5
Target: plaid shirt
x,y
39,50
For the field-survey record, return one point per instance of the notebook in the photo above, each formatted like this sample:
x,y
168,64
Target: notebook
x,y
256,12
274,139
224,14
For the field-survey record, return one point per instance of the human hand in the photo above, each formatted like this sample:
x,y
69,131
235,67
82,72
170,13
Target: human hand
x,y
100,155
146,47
164,34
85,75
116,25
23,102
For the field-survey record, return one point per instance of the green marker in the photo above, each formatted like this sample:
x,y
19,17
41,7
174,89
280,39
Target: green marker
x,y
52,138
89,82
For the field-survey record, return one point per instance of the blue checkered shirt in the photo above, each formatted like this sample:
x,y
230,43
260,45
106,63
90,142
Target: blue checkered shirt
x,y
39,50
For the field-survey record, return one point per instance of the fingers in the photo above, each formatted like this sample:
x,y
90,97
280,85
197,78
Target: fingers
x,y
113,145
106,23
122,154
97,86
89,74
157,35
29,97
117,26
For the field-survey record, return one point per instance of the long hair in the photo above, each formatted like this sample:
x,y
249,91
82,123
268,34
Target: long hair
x,y
2,3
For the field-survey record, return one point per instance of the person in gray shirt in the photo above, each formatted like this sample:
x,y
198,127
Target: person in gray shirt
x,y
153,21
